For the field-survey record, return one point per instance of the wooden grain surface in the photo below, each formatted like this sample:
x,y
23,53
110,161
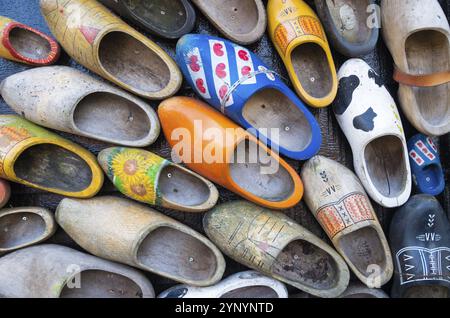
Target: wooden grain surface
x,y
334,145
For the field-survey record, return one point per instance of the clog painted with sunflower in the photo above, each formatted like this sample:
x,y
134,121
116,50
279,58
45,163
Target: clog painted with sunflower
x,y
35,157
146,177
100,41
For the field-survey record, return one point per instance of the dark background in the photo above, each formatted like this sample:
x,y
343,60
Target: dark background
x,y
334,146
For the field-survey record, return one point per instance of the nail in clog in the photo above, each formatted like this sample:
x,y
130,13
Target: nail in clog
x,y
216,148
90,107
169,19
300,40
53,271
339,203
426,167
236,82
248,284
21,43
370,120
417,34
355,290
351,25
35,157
103,43
275,245
420,243
242,21
126,232
22,227
5,192
146,177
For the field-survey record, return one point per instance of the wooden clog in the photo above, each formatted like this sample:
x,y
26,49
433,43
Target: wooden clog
x,y
22,227
146,177
54,271
103,43
339,203
21,43
355,290
248,284
242,21
169,19
40,159
224,153
300,40
127,232
89,108
5,192
370,120
275,245
237,82
347,27
417,34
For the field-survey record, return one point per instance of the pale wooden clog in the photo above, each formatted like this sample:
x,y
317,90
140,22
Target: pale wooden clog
x,y
100,41
339,203
127,232
273,244
5,192
89,107
53,271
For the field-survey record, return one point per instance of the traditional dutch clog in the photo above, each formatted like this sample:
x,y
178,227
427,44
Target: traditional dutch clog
x,y
426,167
169,19
103,43
420,243
216,148
89,107
417,34
349,26
355,290
242,21
236,82
146,177
275,245
22,227
53,271
5,192
21,43
38,158
370,120
338,201
248,284
127,232
301,42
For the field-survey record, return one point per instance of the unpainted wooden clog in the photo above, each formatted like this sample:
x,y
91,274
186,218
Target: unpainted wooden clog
x,y
275,245
242,21
300,40
103,43
127,232
356,290
369,118
219,150
248,284
53,271
146,177
417,34
63,98
21,43
339,203
5,192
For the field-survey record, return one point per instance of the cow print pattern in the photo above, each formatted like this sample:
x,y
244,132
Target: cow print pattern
x,y
347,85
373,75
365,121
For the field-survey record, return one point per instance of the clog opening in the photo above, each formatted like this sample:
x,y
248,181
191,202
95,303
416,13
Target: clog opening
x,y
133,63
100,284
182,188
111,117
304,263
251,292
312,69
51,166
427,52
18,229
271,109
172,252
427,291
431,177
29,44
257,172
386,165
